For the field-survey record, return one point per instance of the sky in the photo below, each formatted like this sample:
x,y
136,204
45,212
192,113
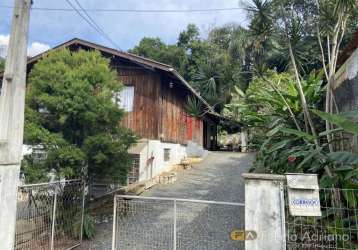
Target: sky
x,y
50,28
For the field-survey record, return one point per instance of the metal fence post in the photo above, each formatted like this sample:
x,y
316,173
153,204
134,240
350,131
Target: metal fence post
x,y
83,210
53,220
114,223
175,225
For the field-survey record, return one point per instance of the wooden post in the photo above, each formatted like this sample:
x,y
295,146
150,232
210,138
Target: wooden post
x,y
12,105
265,211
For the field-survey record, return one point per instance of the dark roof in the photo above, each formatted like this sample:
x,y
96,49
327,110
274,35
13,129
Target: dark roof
x,y
348,50
133,58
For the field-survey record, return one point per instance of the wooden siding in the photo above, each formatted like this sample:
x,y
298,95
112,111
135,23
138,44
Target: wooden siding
x,y
176,125
173,127
198,132
158,109
144,118
194,130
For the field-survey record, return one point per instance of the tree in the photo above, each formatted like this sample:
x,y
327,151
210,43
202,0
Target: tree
x,y
70,112
222,63
188,36
331,25
310,34
299,28
154,48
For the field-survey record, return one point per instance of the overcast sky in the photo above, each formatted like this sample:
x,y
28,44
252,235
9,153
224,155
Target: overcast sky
x,y
50,28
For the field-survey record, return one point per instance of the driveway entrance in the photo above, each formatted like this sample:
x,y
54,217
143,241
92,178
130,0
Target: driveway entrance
x,y
178,224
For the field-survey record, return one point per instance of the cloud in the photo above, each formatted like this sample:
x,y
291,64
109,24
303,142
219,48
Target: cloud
x,y
4,41
36,48
33,49
126,29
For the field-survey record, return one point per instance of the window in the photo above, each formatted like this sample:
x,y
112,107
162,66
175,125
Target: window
x,y
167,154
125,98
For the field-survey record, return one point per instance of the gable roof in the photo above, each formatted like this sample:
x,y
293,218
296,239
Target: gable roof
x,y
132,58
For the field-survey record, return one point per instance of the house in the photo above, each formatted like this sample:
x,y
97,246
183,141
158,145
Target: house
x,y
345,87
154,98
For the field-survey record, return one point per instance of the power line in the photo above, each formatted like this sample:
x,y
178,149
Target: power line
x,y
134,10
97,26
92,23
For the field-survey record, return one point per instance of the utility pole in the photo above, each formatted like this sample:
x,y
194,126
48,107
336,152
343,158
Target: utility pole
x,y
12,107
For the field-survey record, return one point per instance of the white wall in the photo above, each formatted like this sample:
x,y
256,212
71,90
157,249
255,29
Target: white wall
x,y
149,169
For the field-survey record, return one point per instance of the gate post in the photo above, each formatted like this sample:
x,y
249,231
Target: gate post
x,y
114,234
175,225
53,220
264,212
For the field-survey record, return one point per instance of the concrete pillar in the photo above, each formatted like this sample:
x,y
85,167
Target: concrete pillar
x,y
265,212
12,107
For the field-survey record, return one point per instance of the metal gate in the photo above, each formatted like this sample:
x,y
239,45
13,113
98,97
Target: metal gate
x,y
169,223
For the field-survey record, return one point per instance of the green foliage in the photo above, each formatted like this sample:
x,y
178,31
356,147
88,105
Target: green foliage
x,y
71,113
297,133
268,99
284,148
290,150
36,172
156,49
340,120
194,107
268,33
188,36
213,65
88,226
89,229
285,37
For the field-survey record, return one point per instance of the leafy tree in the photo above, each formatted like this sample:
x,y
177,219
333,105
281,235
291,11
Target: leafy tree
x,y
333,19
189,36
220,63
273,99
70,112
154,48
291,32
213,65
305,36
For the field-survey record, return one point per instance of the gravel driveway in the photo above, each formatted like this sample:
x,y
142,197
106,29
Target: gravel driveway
x,y
148,224
217,178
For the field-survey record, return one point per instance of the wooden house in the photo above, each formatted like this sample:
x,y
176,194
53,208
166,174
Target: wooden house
x,y
154,98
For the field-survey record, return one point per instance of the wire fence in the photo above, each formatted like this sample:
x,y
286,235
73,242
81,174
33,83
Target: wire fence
x,y
49,216
337,228
100,186
164,223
